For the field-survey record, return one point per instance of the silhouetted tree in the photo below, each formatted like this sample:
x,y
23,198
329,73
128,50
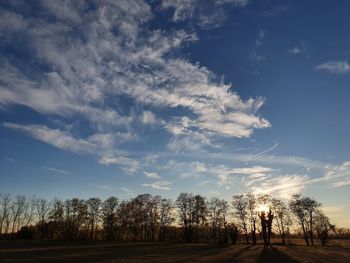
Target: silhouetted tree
x,y
185,204
323,227
297,207
5,209
240,204
252,213
17,209
166,217
310,206
217,213
109,216
42,209
281,215
29,211
56,215
93,206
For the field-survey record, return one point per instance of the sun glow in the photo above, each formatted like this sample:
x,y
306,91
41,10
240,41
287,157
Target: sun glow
x,y
263,208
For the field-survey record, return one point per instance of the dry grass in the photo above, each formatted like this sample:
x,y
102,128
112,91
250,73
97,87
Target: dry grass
x,y
54,251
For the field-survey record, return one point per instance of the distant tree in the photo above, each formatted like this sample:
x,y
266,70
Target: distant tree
x,y
266,217
56,215
42,210
93,206
323,227
280,210
29,212
304,209
252,214
185,203
311,206
297,207
166,217
217,214
76,216
5,209
199,215
17,210
240,204
109,216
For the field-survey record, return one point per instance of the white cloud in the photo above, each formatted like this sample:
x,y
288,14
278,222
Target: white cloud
x,y
259,38
205,14
90,69
338,175
159,185
57,138
11,21
258,155
283,186
337,67
252,170
56,170
148,117
295,51
153,175
97,144
128,165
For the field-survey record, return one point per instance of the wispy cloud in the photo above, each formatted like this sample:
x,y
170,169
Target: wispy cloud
x,y
10,160
59,139
295,51
254,54
336,67
204,14
56,170
159,185
283,186
90,67
98,144
257,155
252,170
152,175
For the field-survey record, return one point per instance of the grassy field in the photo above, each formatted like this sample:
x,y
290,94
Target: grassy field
x,y
54,251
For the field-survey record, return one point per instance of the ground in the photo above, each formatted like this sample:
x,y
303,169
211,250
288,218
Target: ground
x,y
55,251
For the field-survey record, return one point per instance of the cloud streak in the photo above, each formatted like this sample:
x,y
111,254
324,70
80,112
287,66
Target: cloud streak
x,y
336,67
90,70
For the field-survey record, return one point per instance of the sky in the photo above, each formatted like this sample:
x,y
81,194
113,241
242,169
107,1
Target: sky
x,y
117,98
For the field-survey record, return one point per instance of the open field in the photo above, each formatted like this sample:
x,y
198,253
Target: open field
x,y
54,251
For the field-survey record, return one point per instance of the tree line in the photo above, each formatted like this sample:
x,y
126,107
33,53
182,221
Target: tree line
x,y
190,218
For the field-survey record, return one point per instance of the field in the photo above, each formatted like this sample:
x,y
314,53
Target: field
x,y
55,251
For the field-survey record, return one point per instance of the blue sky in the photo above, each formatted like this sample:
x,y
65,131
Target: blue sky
x,y
101,98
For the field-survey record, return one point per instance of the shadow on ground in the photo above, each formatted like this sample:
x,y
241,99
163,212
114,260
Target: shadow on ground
x,y
273,255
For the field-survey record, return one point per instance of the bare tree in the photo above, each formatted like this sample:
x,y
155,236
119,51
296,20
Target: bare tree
x,y
266,217
5,209
323,227
185,204
109,214
76,216
42,209
217,213
29,212
281,214
94,206
240,204
311,206
166,217
297,207
56,215
17,209
252,214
